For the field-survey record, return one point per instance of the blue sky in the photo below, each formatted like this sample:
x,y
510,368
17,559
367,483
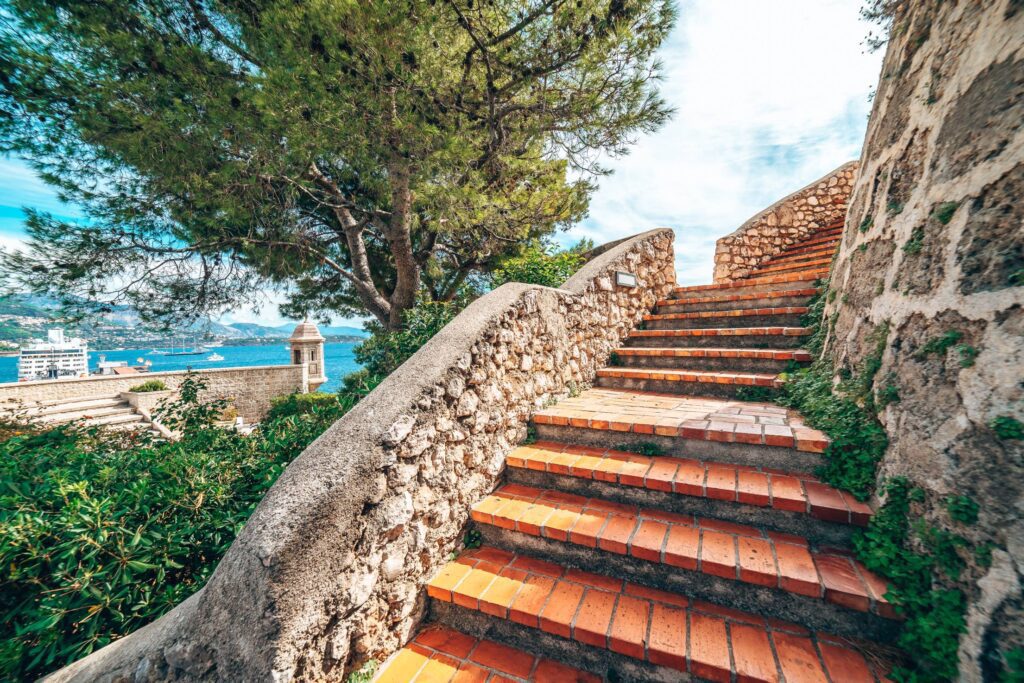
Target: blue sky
x,y
769,97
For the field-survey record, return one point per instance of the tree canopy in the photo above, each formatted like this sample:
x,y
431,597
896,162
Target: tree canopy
x,y
352,155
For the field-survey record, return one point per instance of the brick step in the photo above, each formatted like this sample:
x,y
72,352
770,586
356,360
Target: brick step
x,y
722,384
777,316
802,255
790,502
819,237
745,567
829,243
714,358
723,302
767,283
439,653
743,337
720,430
625,631
791,267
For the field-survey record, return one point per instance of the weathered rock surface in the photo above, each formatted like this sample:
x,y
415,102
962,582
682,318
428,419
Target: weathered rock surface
x,y
935,248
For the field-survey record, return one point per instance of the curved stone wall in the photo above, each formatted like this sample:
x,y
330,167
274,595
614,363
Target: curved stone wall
x,y
329,569
785,222
934,254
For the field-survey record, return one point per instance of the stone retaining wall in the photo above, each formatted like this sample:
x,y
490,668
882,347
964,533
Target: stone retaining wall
x,y
934,253
250,389
785,222
329,570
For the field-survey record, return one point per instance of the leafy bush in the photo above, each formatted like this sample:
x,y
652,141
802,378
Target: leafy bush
x,y
149,385
300,404
934,614
385,350
542,263
102,532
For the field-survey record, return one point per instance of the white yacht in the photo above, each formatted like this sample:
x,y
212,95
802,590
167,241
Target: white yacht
x,y
57,357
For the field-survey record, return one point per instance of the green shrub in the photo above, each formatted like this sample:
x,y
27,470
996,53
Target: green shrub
x,y
934,614
541,264
1007,427
943,213
963,509
939,345
299,404
103,532
149,385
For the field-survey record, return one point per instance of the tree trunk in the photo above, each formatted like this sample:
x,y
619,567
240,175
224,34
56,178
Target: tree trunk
x,y
399,234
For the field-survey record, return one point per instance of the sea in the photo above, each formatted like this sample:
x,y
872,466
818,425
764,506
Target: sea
x,y
339,360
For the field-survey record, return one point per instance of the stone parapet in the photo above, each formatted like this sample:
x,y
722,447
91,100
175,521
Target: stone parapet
x,y
330,569
250,389
785,222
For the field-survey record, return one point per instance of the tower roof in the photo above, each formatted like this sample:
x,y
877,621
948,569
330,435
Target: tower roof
x,y
306,331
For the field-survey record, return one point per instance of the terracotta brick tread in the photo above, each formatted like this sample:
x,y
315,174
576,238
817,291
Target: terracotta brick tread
x,y
726,332
809,276
687,417
666,629
439,654
801,266
750,296
759,379
763,354
762,487
734,313
723,549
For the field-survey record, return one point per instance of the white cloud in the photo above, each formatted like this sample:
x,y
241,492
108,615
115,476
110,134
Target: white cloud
x,y
769,97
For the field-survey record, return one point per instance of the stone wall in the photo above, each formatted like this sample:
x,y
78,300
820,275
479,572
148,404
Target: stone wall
x,y
934,248
250,389
785,222
329,570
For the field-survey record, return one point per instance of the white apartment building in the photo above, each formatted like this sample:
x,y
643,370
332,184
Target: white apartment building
x,y
56,357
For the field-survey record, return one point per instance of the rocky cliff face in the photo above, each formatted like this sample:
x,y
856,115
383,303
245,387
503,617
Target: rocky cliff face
x,y
934,253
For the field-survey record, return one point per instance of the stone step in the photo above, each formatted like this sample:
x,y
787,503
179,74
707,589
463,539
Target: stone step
x,y
720,384
714,358
626,631
778,316
439,653
721,430
767,283
802,266
829,243
745,567
723,302
790,502
71,414
121,418
743,337
43,410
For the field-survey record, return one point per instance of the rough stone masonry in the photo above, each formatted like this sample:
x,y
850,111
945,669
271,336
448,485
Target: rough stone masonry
x,y
934,249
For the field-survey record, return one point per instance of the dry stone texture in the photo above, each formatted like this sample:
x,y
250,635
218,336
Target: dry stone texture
x,y
784,223
933,247
330,569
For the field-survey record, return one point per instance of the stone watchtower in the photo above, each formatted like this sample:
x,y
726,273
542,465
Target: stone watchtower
x,y
308,347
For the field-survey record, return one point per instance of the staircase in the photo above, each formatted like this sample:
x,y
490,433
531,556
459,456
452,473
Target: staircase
x,y
111,412
660,529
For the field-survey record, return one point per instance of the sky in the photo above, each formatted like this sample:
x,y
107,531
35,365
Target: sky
x,y
769,96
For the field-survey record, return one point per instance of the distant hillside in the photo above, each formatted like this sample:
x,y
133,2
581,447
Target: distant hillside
x,y
257,331
23,317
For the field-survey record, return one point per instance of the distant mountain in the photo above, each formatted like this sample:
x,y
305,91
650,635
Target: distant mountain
x,y
257,331
27,316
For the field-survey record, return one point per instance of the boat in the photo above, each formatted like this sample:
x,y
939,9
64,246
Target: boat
x,y
215,357
182,351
